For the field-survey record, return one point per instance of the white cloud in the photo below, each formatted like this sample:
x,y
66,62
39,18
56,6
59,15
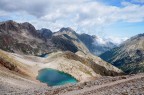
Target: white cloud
x,y
3,13
85,11
84,15
116,40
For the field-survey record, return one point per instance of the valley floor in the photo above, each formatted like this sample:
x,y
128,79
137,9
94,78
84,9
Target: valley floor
x,y
120,85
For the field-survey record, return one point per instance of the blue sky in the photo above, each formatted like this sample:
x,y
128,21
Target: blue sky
x,y
117,19
123,29
119,2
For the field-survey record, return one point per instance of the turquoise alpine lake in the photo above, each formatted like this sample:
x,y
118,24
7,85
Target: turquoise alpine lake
x,y
54,77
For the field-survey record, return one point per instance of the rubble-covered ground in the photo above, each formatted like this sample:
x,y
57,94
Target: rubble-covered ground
x,y
120,85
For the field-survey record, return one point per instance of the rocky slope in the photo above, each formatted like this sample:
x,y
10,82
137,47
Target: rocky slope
x,y
120,85
10,64
82,68
129,56
21,38
18,72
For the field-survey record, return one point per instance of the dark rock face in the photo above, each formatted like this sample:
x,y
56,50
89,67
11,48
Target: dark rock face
x,y
68,29
21,38
45,33
8,65
9,25
87,40
129,56
64,44
30,28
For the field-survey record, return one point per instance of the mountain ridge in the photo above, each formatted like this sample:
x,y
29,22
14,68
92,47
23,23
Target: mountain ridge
x,y
129,56
15,34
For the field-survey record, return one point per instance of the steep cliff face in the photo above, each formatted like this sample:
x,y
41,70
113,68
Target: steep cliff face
x,y
71,37
45,34
129,56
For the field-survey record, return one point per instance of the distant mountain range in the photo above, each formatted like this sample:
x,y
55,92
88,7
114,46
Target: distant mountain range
x,y
24,38
129,56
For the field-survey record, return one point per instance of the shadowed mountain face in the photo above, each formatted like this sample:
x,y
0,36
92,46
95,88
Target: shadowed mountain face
x,y
45,33
24,38
129,56
20,38
94,44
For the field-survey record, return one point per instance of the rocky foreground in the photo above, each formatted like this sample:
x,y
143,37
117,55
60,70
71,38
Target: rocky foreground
x,y
120,85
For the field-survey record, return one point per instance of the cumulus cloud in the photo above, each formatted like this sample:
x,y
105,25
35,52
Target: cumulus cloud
x,y
83,15
37,7
34,7
3,13
83,11
116,40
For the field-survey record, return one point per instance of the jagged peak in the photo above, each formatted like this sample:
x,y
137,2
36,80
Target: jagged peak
x,y
27,24
45,33
16,23
93,36
8,21
138,36
45,30
11,22
66,29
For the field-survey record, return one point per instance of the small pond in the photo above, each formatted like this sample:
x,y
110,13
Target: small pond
x,y
54,77
44,55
